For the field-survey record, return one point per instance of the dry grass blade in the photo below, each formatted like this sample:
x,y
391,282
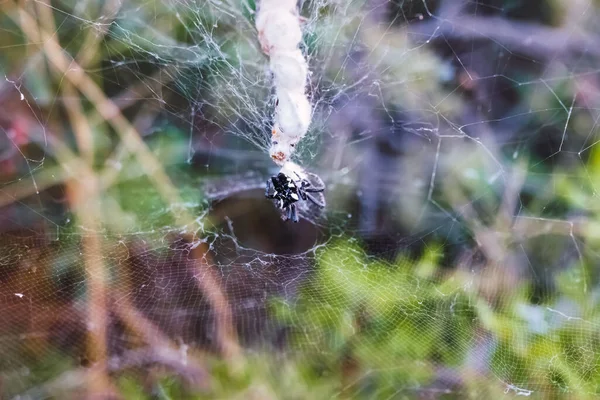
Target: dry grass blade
x,y
111,113
209,284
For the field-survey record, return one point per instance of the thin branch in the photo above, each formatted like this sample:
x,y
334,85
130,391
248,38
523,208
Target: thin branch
x,y
89,49
210,285
530,40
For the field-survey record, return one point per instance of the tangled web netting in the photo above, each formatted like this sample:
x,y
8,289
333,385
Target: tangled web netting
x,y
458,144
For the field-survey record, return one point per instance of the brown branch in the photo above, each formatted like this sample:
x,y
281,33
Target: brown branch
x,y
210,285
529,40
83,195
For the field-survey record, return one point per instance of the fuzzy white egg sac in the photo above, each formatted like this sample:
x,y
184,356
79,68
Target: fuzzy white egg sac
x,y
278,30
289,69
293,113
287,4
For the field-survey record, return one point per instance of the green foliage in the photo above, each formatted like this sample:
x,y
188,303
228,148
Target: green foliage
x,y
395,322
400,323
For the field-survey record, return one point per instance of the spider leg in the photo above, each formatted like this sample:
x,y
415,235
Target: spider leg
x,y
316,202
268,189
301,193
293,213
308,187
285,216
314,190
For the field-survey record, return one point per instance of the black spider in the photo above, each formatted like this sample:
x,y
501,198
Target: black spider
x,y
287,192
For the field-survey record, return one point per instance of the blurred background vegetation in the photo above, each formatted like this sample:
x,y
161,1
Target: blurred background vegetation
x,y
457,256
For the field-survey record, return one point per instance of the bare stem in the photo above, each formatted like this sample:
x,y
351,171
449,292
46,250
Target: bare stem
x,y
210,285
83,195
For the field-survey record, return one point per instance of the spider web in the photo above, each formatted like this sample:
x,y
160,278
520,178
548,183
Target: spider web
x,y
456,254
